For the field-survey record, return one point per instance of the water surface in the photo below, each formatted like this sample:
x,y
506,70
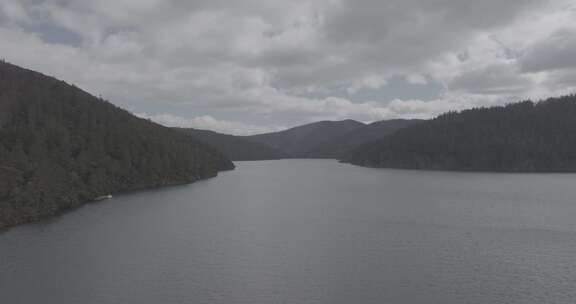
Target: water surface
x,y
308,231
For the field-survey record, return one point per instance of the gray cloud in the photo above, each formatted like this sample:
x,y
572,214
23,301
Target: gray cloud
x,y
556,53
492,80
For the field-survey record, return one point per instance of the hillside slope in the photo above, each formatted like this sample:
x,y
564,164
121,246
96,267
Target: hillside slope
x,y
236,148
60,147
521,137
340,146
297,142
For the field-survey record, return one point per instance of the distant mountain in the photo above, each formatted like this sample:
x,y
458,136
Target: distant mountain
x,y
324,139
341,145
60,147
236,147
297,142
521,137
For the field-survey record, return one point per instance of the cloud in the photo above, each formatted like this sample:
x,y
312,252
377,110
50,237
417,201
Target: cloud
x,y
11,10
557,52
497,79
265,64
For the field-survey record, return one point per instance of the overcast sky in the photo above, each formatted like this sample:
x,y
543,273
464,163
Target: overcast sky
x,y
253,66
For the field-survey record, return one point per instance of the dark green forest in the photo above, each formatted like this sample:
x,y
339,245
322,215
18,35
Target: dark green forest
x,y
522,137
61,147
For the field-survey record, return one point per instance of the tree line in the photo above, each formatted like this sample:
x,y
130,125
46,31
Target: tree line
x,y
521,137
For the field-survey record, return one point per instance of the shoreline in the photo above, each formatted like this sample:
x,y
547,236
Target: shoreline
x,y
140,188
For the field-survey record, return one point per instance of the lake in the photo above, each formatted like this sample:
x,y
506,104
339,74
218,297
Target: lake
x,y
307,231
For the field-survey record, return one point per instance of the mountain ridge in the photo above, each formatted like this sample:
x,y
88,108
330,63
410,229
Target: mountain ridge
x,y
340,146
234,147
297,141
322,139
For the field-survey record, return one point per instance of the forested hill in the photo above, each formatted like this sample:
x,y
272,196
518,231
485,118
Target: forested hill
x,y
236,147
297,142
521,137
60,147
342,145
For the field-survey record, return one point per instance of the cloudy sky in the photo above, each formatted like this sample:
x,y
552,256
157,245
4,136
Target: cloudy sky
x,y
253,66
